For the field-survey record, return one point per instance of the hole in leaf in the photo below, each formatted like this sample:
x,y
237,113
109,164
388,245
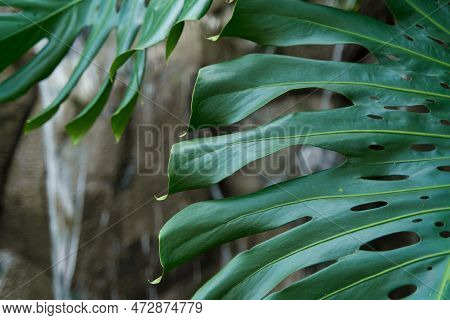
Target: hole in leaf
x,y
307,160
445,85
391,242
310,270
440,42
9,9
297,222
445,234
430,100
426,147
118,5
391,177
402,292
429,268
352,53
392,57
415,109
369,206
40,45
444,168
439,224
406,77
408,37
424,197
376,147
445,122
420,26
304,100
374,116
287,163
417,220
374,98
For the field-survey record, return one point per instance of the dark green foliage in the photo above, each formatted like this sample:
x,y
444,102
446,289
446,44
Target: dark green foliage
x,y
137,27
393,189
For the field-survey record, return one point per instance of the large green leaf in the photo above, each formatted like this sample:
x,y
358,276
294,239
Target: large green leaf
x,y
163,18
60,22
363,84
379,222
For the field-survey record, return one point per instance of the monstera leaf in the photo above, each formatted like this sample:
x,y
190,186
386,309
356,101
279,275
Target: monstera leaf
x,y
61,21
377,226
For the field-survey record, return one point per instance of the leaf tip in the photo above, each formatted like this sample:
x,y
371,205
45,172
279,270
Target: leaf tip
x,y
183,134
213,38
28,127
75,140
116,129
117,137
161,198
73,135
156,281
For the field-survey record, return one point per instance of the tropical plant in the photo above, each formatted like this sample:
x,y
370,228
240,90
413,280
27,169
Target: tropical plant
x,y
378,224
137,25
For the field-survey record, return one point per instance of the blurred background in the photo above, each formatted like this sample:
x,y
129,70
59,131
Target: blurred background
x,y
81,221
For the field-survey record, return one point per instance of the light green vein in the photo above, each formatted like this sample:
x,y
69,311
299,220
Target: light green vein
x,y
335,197
328,133
409,160
350,83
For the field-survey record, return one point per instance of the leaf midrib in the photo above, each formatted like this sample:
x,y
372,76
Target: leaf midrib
x,y
410,133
